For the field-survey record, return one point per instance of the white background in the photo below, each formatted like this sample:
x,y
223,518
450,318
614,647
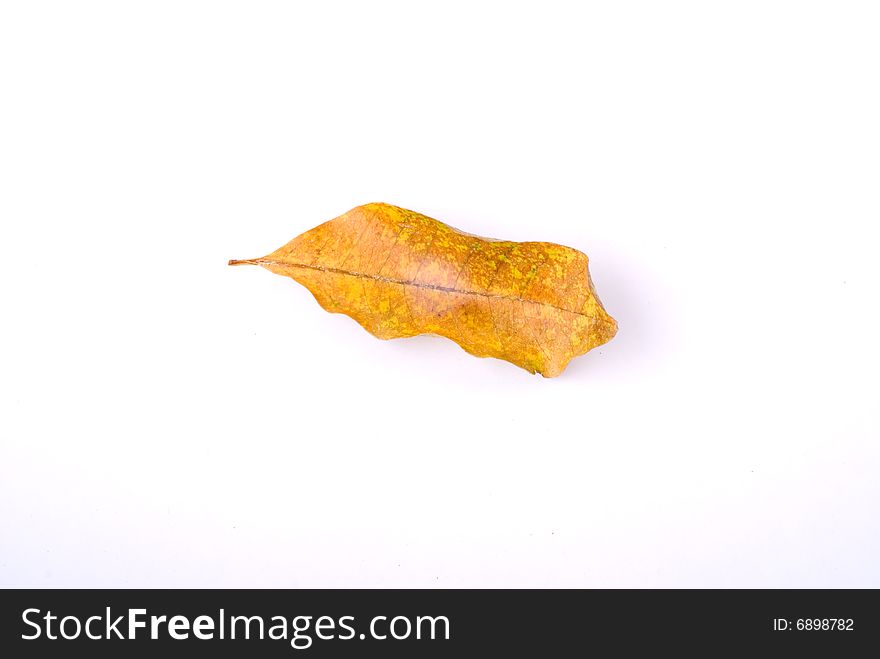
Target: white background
x,y
170,421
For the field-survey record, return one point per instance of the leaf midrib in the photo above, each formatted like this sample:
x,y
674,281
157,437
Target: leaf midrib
x,y
392,280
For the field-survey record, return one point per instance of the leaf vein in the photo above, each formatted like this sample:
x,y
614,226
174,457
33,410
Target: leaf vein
x,y
392,280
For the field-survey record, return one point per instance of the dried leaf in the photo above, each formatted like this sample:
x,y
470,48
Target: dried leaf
x,y
399,273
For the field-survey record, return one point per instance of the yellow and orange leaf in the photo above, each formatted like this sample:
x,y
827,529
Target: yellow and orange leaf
x,y
399,274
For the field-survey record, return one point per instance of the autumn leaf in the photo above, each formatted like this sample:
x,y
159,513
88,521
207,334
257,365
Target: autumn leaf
x,y
399,274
